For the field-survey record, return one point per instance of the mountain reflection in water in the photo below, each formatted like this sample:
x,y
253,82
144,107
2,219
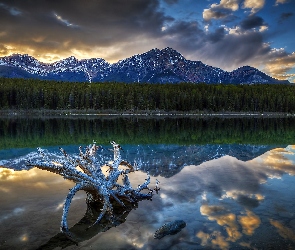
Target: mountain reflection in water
x,y
227,200
163,160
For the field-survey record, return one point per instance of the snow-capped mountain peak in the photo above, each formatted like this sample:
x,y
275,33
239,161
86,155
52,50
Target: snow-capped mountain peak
x,y
155,66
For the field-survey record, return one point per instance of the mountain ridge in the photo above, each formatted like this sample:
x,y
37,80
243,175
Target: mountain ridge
x,y
154,66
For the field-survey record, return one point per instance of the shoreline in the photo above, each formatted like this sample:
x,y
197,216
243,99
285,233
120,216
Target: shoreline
x,y
149,113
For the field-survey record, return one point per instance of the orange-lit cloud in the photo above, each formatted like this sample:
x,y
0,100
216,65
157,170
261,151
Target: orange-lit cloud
x,y
6,174
284,231
34,179
235,194
279,67
214,240
221,10
278,162
223,218
249,222
219,242
114,30
254,5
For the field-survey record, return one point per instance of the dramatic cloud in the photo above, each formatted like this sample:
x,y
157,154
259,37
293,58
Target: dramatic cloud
x,y
249,222
254,5
48,26
280,65
220,34
222,10
237,48
188,35
252,22
227,4
209,14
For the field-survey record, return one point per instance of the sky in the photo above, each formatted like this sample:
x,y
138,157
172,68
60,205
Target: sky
x,y
222,33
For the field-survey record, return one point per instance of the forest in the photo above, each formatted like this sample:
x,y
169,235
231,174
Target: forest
x,y
32,94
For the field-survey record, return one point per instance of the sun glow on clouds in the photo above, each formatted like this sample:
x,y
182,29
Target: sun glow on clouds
x,y
249,222
275,163
231,223
223,218
50,57
254,5
24,237
227,4
44,56
279,66
33,179
218,242
9,175
225,33
225,7
235,194
263,28
278,161
217,11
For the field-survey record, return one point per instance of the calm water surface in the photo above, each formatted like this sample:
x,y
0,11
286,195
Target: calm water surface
x,y
231,181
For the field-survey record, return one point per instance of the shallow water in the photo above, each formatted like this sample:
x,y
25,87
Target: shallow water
x,y
231,196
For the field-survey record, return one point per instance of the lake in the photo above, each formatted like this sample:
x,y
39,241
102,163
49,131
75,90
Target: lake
x,y
231,180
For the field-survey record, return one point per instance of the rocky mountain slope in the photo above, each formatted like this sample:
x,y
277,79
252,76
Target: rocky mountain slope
x,y
155,66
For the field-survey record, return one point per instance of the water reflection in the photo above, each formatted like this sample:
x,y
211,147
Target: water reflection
x,y
163,160
36,132
225,202
81,232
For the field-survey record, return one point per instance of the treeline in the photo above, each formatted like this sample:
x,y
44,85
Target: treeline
x,y
30,94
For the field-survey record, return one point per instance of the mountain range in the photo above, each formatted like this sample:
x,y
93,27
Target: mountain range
x,y
155,66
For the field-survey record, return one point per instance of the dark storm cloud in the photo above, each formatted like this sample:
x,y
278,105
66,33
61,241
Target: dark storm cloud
x,y
218,47
232,50
63,24
184,28
252,22
217,35
184,35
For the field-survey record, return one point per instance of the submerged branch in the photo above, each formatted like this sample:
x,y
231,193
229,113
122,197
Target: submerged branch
x,y
85,171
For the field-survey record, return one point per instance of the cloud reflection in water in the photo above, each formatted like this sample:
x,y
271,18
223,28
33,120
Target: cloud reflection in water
x,y
225,203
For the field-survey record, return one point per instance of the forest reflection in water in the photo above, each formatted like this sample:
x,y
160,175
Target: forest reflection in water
x,y
225,203
35,132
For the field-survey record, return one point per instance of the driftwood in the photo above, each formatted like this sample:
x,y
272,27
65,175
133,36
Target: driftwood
x,y
86,172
